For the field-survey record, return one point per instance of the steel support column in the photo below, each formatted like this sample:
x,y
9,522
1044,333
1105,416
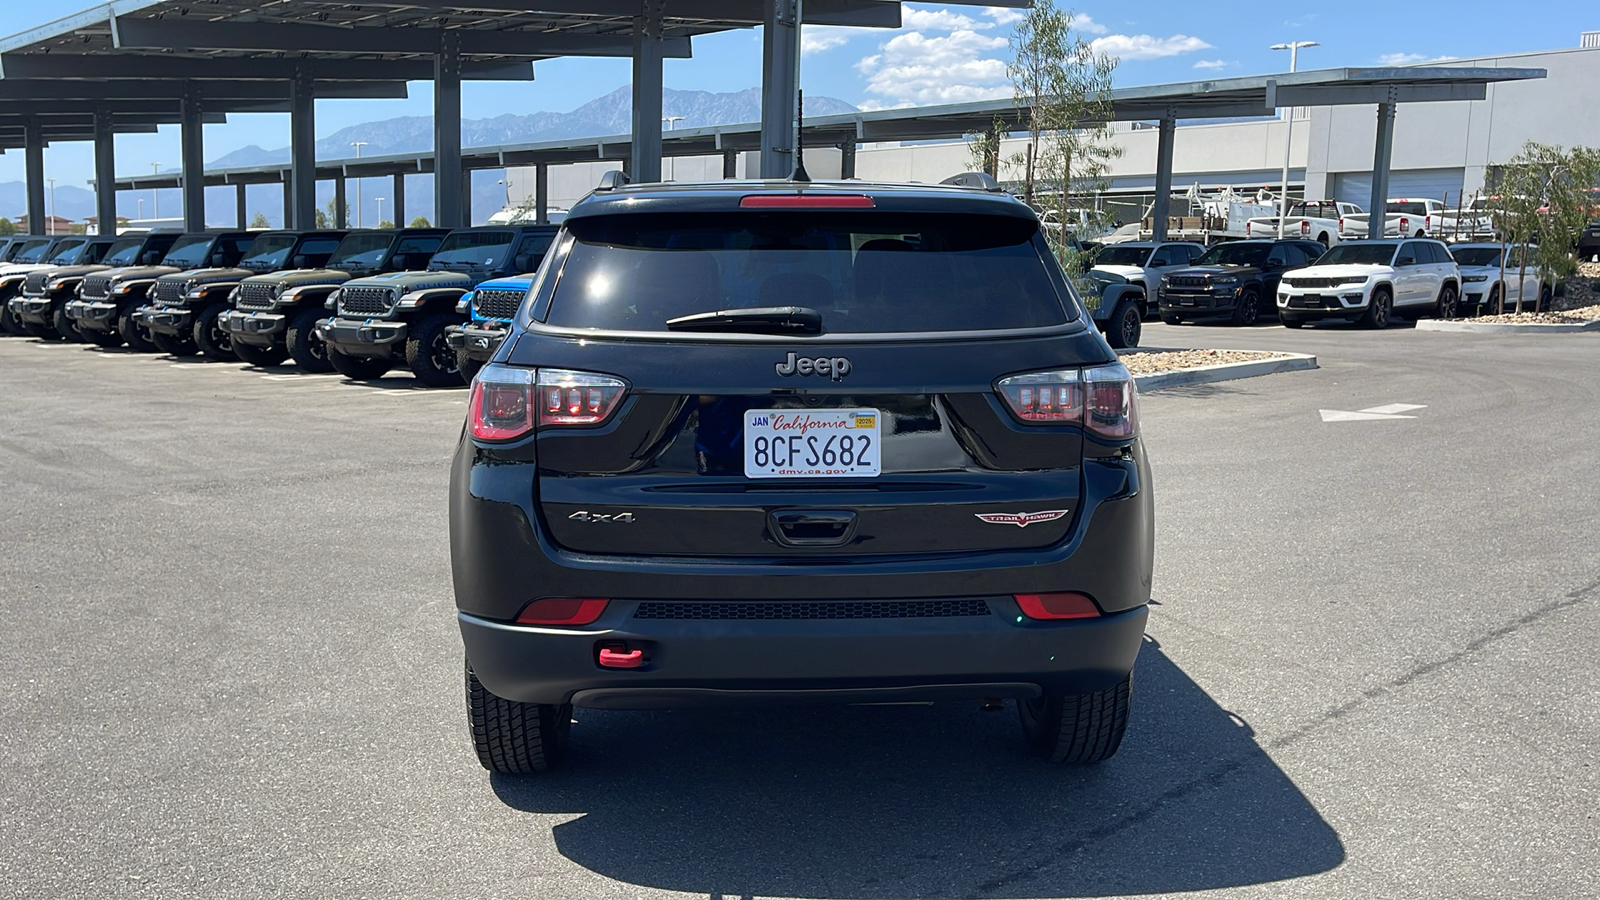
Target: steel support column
x,y
399,198
780,80
541,193
288,201
340,220
847,159
647,85
466,199
1163,205
105,173
33,158
194,160
1377,217
447,200
240,201
301,208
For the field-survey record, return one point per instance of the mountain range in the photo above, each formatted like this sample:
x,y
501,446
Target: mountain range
x,y
607,115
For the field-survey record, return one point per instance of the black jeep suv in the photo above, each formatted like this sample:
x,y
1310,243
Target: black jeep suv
x,y
186,315
778,441
275,316
1233,280
41,309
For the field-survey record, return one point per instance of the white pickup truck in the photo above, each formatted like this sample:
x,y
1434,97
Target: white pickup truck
x,y
1403,217
1313,220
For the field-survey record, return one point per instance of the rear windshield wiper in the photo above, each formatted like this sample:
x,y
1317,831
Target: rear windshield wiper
x,y
761,319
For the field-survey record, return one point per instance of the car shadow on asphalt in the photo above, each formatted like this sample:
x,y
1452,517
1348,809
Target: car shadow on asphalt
x,y
943,800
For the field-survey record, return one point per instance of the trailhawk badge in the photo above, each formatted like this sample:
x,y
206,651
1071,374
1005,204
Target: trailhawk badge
x,y
1022,520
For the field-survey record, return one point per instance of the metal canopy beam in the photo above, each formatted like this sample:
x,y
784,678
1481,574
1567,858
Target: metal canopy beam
x,y
71,120
152,67
212,90
1330,95
166,34
859,13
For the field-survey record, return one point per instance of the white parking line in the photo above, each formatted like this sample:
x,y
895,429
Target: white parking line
x,y
300,377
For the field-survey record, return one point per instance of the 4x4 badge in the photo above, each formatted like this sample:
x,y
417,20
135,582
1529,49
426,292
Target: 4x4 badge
x,y
1022,520
584,515
834,367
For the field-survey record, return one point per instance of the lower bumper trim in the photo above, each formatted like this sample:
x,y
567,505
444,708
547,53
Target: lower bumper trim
x,y
678,698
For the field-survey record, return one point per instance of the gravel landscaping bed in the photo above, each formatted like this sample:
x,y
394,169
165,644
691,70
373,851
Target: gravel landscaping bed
x,y
1153,362
1554,317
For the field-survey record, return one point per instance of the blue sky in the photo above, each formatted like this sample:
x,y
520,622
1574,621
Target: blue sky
x,y
943,54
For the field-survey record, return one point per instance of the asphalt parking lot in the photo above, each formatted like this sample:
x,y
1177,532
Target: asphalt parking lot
x,y
230,665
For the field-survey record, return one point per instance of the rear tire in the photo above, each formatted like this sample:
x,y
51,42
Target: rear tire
x,y
9,324
307,350
1125,326
1377,314
1248,311
1077,728
516,738
259,356
469,367
214,343
358,368
1446,308
136,336
173,345
1546,298
429,357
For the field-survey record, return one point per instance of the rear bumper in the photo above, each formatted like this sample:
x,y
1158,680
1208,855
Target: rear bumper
x,y
700,662
253,327
1172,304
172,320
477,341
368,339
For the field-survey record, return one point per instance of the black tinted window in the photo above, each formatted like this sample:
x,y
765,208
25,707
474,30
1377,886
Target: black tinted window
x,y
189,252
418,245
1358,253
65,251
864,272
321,246
1231,254
124,252
472,248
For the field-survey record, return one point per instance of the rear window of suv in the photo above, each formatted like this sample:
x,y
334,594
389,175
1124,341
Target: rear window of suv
x,y
863,272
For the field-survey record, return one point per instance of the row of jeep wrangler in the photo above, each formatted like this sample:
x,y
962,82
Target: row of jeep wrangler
x,y
359,302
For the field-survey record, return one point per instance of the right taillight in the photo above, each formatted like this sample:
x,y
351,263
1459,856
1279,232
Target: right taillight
x,y
1102,399
508,402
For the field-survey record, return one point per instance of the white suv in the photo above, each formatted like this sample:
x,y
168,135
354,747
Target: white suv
x,y
1371,281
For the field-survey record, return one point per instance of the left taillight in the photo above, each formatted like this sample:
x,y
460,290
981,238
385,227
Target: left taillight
x,y
509,402
562,611
1102,399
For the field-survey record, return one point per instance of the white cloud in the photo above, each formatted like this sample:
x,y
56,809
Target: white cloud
x,y
916,68
1401,59
1144,46
817,38
1213,64
938,20
1003,15
1086,25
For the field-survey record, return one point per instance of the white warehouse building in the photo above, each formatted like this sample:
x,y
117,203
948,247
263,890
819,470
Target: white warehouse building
x,y
1441,150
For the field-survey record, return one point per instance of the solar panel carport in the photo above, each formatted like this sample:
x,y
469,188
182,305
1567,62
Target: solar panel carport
x,y
131,64
1384,88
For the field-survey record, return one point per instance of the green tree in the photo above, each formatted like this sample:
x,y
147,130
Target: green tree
x,y
386,224
983,147
1062,87
259,220
1541,201
325,218
421,222
7,227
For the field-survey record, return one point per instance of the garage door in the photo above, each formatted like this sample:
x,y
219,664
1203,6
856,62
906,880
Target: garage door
x,y
1356,187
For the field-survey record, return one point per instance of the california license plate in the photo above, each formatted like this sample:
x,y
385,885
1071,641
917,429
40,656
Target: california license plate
x,y
812,443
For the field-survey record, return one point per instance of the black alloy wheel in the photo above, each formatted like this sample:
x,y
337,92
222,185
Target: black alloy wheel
x,y
429,356
214,343
172,344
1447,302
1126,326
1248,312
307,350
65,327
1377,314
134,334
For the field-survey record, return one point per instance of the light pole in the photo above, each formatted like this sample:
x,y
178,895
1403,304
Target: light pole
x,y
50,214
672,125
155,193
380,210
1288,140
358,145
141,208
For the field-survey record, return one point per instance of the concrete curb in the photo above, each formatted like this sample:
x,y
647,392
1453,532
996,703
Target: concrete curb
x,y
1505,327
1293,362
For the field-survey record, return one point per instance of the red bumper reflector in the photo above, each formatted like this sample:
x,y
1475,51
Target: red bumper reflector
x,y
620,657
806,201
562,611
1064,605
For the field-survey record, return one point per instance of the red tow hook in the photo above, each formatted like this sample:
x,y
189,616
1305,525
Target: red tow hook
x,y
618,656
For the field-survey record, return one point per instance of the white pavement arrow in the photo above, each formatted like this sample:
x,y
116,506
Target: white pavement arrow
x,y
1371,413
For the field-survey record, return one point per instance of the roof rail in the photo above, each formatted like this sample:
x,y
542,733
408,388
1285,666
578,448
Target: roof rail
x,y
613,179
980,180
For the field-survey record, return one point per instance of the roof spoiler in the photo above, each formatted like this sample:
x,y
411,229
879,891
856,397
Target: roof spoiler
x,y
983,181
613,179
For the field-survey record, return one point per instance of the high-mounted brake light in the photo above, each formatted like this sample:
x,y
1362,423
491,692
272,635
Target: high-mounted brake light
x,y
806,201
562,611
507,402
1102,399
1061,605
